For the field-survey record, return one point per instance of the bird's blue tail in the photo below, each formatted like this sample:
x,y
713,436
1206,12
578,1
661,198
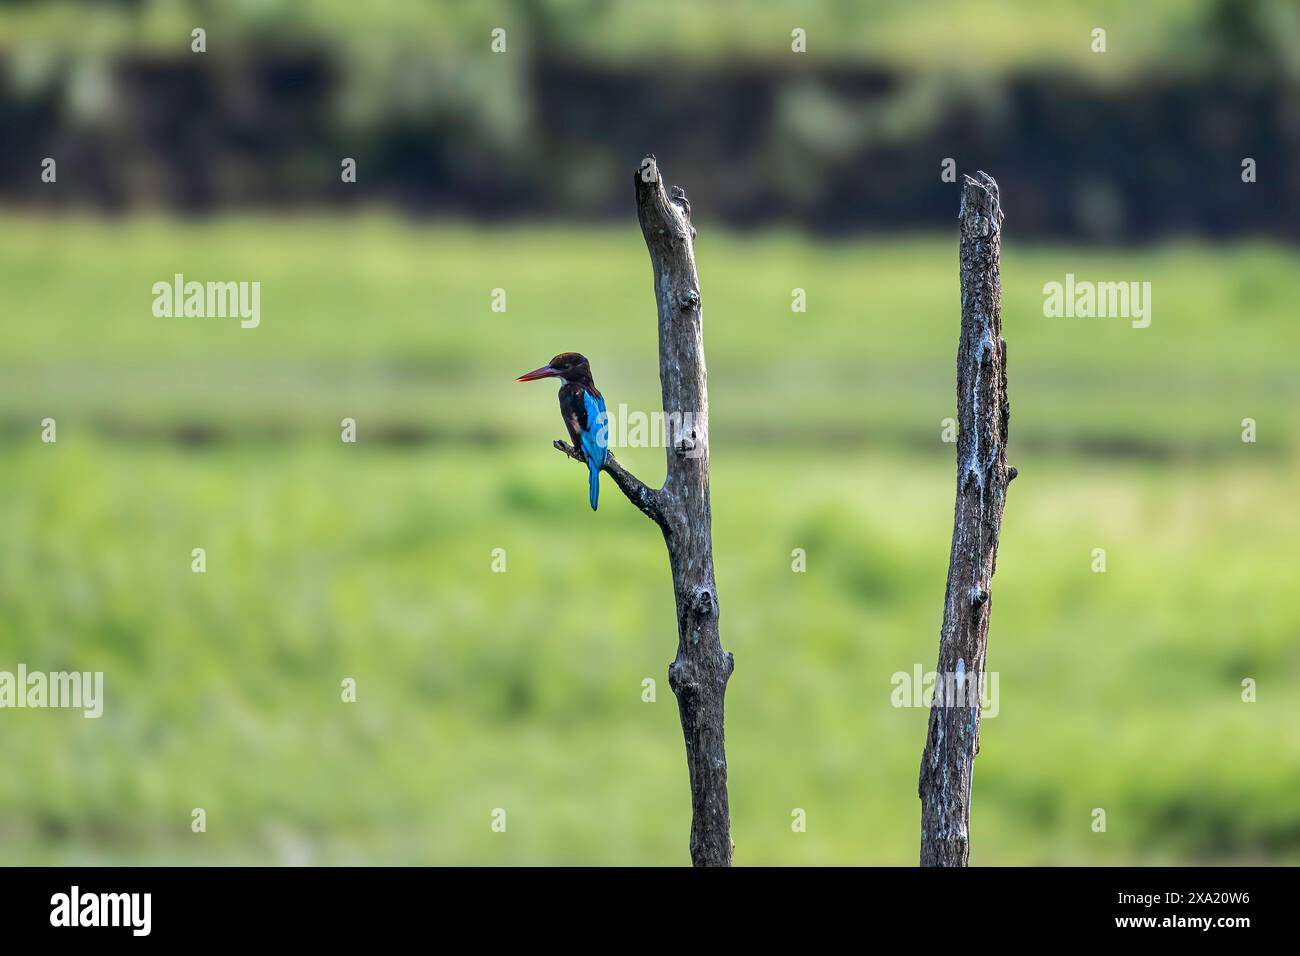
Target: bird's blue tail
x,y
595,484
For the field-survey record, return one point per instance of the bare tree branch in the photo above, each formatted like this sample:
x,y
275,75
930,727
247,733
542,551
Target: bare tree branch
x,y
982,477
647,499
698,675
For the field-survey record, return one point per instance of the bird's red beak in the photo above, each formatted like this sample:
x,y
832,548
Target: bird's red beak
x,y
544,372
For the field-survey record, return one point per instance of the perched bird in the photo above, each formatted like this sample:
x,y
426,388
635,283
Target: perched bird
x,y
583,409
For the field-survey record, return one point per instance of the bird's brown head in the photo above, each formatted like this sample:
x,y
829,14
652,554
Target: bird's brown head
x,y
570,366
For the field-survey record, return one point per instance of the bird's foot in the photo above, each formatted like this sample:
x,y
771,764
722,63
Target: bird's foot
x,y
574,453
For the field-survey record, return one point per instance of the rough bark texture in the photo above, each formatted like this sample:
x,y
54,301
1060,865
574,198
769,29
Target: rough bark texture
x,y
699,674
982,478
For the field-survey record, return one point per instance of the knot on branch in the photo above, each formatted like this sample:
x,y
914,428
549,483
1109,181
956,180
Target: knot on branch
x,y
704,606
687,435
687,676
681,678
684,204
688,300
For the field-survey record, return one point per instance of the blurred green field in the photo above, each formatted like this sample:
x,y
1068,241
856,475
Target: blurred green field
x,y
522,690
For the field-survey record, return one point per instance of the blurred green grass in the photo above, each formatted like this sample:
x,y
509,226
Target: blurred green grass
x,y
523,690
383,320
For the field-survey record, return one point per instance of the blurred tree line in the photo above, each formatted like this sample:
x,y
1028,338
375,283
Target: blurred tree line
x,y
1145,139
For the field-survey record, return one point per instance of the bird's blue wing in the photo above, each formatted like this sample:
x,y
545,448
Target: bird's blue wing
x,y
595,442
595,437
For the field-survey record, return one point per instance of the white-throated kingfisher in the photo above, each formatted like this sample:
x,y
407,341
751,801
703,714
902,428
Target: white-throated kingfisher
x,y
583,409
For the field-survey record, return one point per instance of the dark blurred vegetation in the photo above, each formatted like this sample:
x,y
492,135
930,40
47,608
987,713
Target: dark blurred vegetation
x,y
849,136
479,690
